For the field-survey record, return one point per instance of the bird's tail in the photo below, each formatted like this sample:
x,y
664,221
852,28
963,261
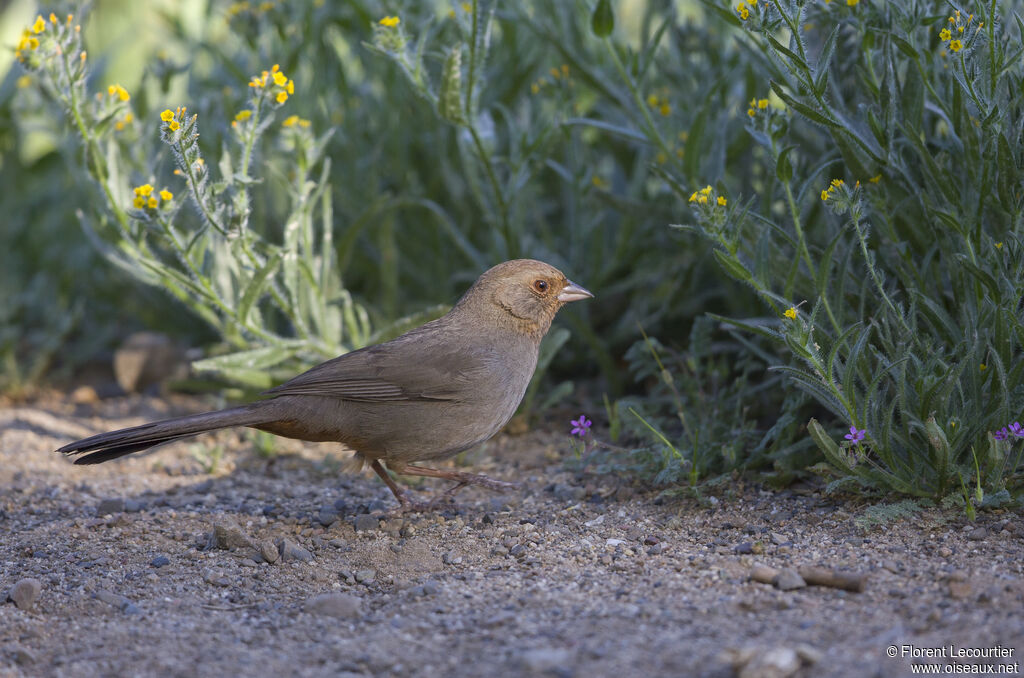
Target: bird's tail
x,y
106,446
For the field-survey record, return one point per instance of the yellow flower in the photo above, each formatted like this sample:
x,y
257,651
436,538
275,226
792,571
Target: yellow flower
x,y
693,198
53,18
139,202
706,190
152,203
824,195
955,45
119,91
281,97
173,126
128,118
742,10
851,3
722,201
982,367
837,183
665,109
565,70
466,7
24,81
999,245
790,313
290,121
39,26
751,112
875,179
390,21
661,158
243,115
290,87
762,104
144,190
702,200
684,135
280,79
652,101
534,88
167,115
166,195
959,29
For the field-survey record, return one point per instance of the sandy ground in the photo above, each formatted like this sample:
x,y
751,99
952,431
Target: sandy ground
x,y
152,566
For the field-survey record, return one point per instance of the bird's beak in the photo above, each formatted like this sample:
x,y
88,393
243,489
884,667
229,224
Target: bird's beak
x,y
573,292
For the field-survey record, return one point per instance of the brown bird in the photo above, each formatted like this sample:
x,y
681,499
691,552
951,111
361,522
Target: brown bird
x,y
429,394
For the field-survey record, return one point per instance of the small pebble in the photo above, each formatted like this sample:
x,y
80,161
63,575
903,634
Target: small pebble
x,y
364,522
160,561
110,505
24,593
338,605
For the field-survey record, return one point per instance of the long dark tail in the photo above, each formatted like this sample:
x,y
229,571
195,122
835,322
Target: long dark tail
x,y
106,446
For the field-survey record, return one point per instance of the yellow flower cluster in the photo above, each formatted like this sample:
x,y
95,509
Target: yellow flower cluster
x,y
124,122
952,33
28,42
757,105
172,117
704,196
556,73
390,21
283,86
293,120
828,192
742,10
144,197
660,104
118,91
790,313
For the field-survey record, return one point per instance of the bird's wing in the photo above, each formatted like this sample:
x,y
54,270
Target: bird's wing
x,y
394,371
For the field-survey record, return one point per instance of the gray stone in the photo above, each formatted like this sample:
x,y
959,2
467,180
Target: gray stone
x,y
160,561
789,579
657,549
227,535
269,552
327,516
366,576
543,659
145,359
134,505
978,534
113,599
110,505
289,550
364,522
24,593
338,605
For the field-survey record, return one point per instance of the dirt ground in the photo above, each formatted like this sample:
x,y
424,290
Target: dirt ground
x,y
153,566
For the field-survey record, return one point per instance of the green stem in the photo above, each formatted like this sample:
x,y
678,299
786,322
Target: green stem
x,y
511,246
652,129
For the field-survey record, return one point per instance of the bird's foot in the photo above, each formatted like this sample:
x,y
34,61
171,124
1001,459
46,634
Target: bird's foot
x,y
459,477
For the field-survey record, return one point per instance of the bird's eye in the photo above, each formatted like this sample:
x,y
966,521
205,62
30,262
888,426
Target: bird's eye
x,y
540,285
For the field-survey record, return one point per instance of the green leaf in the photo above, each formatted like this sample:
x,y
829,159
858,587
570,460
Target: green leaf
x,y
254,289
783,167
733,266
602,21
254,359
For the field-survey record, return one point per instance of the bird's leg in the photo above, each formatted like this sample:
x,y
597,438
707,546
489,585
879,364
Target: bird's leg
x,y
460,477
406,504
395,488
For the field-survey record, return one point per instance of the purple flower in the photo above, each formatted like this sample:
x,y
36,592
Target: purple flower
x,y
1001,434
855,435
1016,429
581,426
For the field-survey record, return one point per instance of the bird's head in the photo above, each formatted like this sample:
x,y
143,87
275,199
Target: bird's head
x,y
523,293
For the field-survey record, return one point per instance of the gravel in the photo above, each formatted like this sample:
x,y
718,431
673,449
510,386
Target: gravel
x,y
239,572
